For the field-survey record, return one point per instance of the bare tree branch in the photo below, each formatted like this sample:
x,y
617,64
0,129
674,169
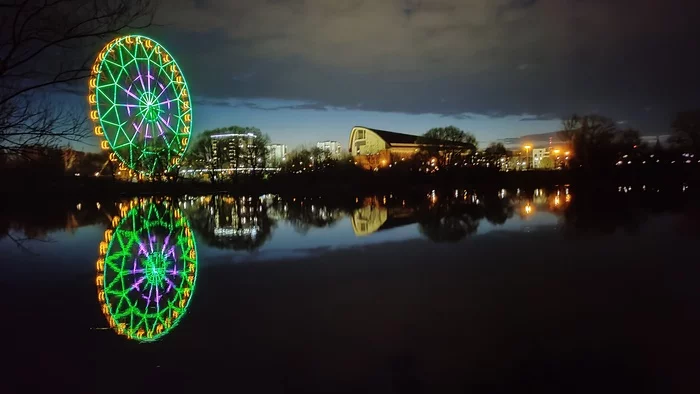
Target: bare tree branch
x,y
47,47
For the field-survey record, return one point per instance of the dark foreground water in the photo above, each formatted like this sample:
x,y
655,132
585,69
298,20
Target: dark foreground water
x,y
550,290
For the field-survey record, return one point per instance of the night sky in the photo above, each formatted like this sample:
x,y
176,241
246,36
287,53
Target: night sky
x,y
309,70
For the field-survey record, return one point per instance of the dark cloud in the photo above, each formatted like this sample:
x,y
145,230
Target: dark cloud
x,y
448,57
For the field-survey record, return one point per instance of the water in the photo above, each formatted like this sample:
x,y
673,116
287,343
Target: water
x,y
551,290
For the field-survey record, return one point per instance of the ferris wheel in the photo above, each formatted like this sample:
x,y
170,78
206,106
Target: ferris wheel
x,y
140,105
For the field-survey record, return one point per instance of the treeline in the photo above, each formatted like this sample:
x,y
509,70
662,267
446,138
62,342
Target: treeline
x,y
598,143
52,161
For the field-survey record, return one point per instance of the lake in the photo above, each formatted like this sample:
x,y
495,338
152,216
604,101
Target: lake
x,y
558,289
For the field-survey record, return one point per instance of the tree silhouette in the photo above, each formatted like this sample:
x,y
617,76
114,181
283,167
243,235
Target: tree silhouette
x,y
686,130
591,137
48,46
447,144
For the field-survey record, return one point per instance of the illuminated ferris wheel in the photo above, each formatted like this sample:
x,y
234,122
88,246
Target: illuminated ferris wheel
x,y
147,270
140,105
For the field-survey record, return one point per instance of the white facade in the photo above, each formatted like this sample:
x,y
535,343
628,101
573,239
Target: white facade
x,y
537,155
333,147
277,153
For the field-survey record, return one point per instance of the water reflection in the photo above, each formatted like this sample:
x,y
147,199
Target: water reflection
x,y
147,269
269,222
246,223
238,223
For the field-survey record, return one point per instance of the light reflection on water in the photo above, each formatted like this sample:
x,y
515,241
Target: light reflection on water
x,y
248,228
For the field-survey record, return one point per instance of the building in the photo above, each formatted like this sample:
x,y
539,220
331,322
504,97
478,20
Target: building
x,y
374,148
332,147
277,153
538,154
230,149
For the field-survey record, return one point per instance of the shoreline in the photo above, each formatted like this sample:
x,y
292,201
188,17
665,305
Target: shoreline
x,y
340,183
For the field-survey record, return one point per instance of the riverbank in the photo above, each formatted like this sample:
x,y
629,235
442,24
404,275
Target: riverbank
x,y
342,182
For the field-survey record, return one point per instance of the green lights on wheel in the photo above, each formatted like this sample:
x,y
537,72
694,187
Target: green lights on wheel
x,y
140,105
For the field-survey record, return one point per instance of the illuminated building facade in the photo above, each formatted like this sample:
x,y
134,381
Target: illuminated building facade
x,y
277,153
374,148
229,149
332,147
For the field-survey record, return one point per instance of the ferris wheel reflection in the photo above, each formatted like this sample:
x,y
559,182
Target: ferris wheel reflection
x,y
147,269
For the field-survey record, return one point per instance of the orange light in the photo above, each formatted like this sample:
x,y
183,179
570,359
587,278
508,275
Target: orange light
x,y
104,145
184,141
93,115
98,130
93,81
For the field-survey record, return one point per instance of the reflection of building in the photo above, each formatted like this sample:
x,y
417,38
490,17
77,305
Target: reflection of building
x,y
277,153
236,218
332,147
373,217
373,148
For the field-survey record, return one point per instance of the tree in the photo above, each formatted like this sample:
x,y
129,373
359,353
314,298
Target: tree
x,y
546,163
200,156
447,143
495,152
686,130
591,137
49,46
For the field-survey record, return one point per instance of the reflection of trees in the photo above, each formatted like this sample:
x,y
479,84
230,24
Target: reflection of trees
x,y
232,223
597,212
497,210
304,215
35,221
450,220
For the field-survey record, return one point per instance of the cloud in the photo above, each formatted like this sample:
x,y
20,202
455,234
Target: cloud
x,y
441,56
530,118
261,105
458,116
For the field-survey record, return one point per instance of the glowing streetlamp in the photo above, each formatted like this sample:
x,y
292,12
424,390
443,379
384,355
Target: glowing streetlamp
x,y
527,156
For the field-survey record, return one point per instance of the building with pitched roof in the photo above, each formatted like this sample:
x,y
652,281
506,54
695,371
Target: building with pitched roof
x,y
374,148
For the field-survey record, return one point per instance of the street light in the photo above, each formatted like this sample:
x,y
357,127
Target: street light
x,y
527,156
